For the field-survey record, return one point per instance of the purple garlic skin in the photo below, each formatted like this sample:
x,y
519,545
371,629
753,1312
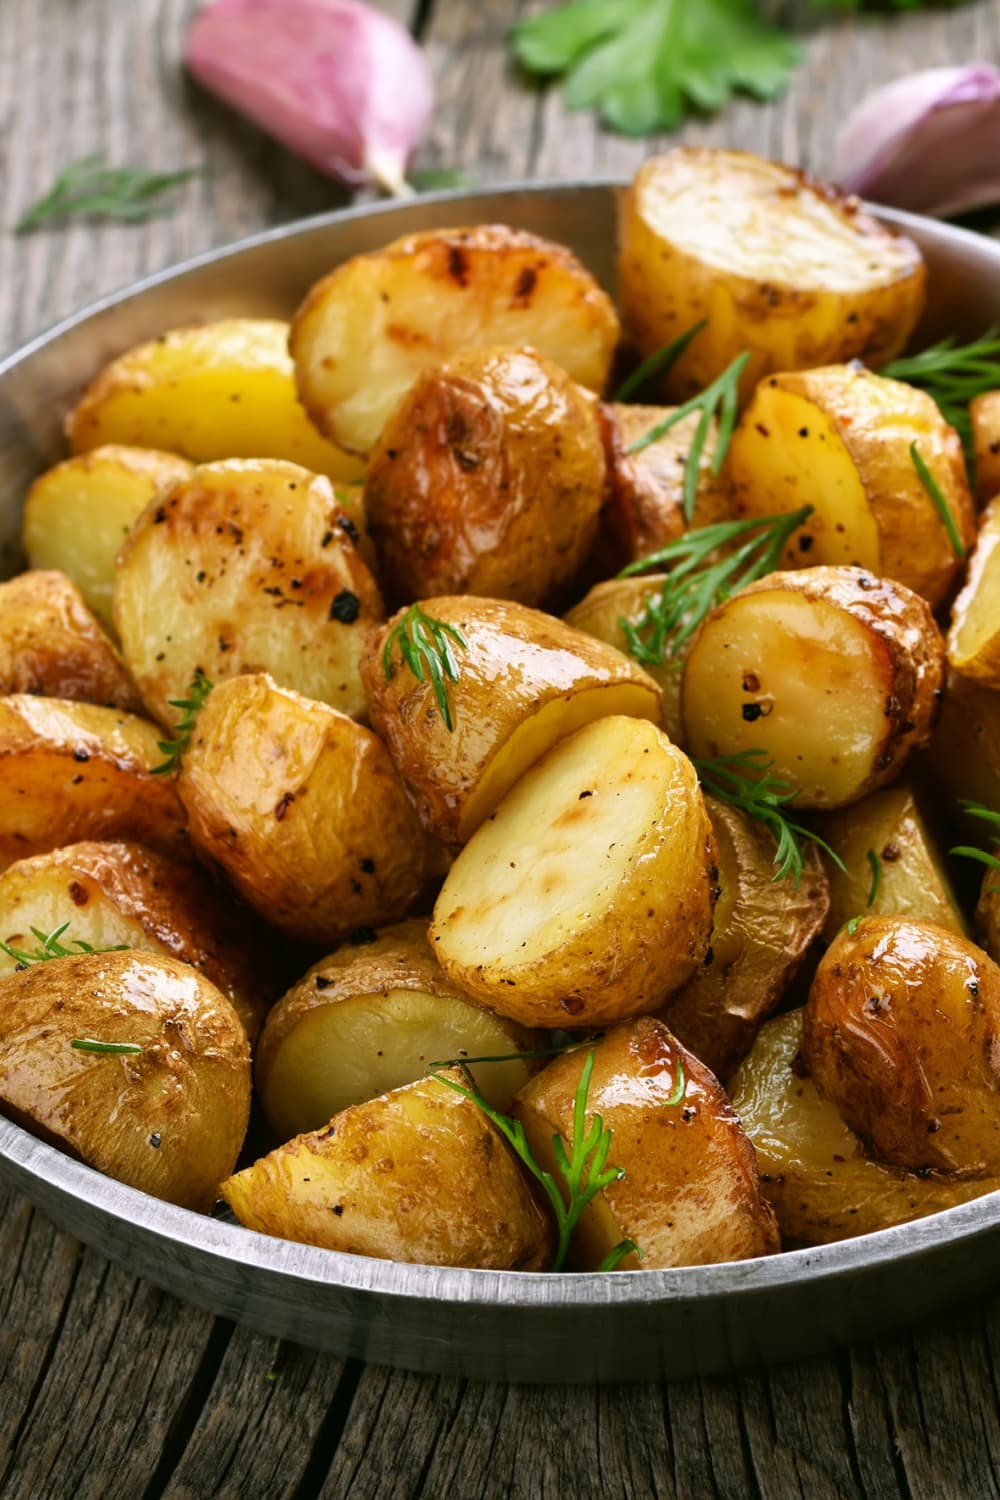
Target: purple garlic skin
x,y
336,81
928,142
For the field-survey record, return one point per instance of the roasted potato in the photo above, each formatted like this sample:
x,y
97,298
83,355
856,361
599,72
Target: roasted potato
x,y
587,896
372,1017
761,930
247,566
834,673
988,910
487,479
169,1118
303,810
525,680
366,331
964,752
78,513
51,644
604,612
71,771
840,439
788,269
419,1174
984,412
974,637
690,1193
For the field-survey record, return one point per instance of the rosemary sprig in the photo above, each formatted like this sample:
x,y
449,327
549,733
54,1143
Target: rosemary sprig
x,y
425,647
50,947
114,1049
969,851
953,374
696,583
876,885
192,706
657,363
941,505
88,187
743,780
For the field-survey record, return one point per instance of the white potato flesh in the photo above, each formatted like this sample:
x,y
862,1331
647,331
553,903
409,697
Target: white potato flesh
x,y
974,638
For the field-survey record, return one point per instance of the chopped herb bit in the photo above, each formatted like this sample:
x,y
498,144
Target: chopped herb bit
x,y
425,647
876,868
941,505
953,374
192,705
51,947
658,364
114,1049
89,188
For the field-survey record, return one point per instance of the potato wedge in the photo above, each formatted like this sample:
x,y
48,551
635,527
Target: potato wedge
x,y
988,910
51,644
839,439
964,752
834,673
78,513
690,1194
366,331
168,1119
213,391
302,809
71,771
788,269
419,1174
247,566
587,896
974,636
984,413
487,479
525,681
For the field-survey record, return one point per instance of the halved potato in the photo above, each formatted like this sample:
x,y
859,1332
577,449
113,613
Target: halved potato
x,y
788,269
587,896
51,644
840,439
78,513
834,673
974,637
984,412
964,752
419,1174
168,1119
246,566
525,680
366,331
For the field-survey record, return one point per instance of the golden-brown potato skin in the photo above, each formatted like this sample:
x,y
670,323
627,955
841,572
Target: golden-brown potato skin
x,y
170,1119
487,479
901,1032
984,412
51,644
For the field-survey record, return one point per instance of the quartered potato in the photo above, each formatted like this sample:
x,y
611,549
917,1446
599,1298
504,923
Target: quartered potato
x,y
366,331
603,613
587,896
248,565
974,637
964,752
51,644
984,412
831,672
419,1174
790,270
840,439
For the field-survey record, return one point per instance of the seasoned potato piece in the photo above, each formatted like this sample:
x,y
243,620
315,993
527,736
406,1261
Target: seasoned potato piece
x,y
487,479
303,810
122,895
984,412
366,331
78,513
786,268
419,1174
974,637
690,1194
218,390
840,440
834,673
813,1169
988,910
168,1119
246,566
600,613
51,644
371,1018
524,681
761,930
587,896
71,771
964,752
901,1032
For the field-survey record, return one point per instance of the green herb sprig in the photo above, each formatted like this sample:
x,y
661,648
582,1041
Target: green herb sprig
x,y
970,851
876,885
112,1049
90,188
658,363
953,374
51,947
425,647
940,504
192,706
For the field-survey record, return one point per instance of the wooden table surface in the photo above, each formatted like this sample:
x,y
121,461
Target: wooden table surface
x,y
108,1386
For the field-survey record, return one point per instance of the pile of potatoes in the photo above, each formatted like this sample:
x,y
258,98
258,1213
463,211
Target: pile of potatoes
x,y
252,828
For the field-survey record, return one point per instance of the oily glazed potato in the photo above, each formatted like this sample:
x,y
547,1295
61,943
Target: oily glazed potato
x,y
302,809
246,566
813,1169
833,673
974,637
51,644
169,1119
372,1017
71,771
984,412
901,1032
218,390
487,479
788,269
690,1194
78,513
419,1174
964,752
587,896
366,331
604,611
116,895
839,439
525,681
761,931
